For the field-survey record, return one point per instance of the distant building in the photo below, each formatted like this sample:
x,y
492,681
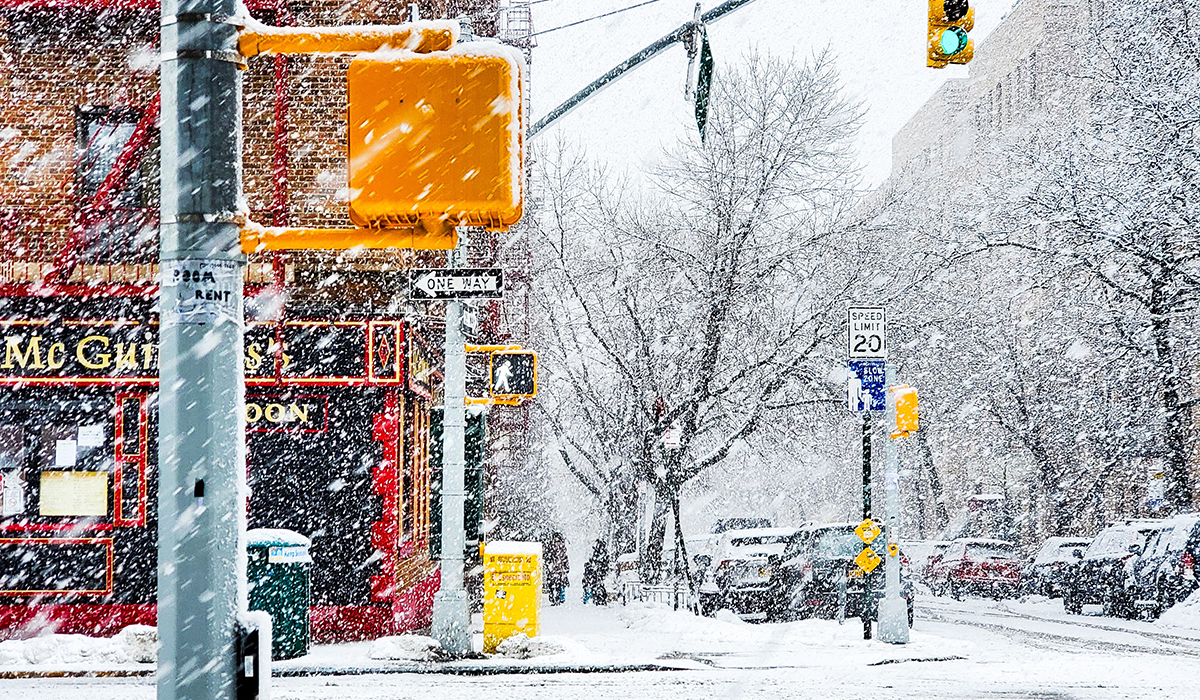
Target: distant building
x,y
1025,73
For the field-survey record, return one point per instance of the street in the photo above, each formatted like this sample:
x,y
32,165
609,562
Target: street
x,y
960,649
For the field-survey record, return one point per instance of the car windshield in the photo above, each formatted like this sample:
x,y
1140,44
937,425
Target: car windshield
x,y
1060,552
1115,542
1178,537
989,551
838,543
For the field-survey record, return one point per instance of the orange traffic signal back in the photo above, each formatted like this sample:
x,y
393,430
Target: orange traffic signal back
x,y
907,420
436,136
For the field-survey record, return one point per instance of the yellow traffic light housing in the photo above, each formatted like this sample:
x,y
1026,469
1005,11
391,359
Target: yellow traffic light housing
x,y
436,136
949,22
905,400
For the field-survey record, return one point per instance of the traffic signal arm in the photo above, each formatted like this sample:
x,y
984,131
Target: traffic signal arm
x,y
435,235
419,37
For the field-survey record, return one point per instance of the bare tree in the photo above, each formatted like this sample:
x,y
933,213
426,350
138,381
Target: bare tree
x,y
701,306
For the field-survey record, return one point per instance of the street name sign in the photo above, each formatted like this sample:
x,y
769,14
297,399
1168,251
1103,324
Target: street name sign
x,y
456,283
866,333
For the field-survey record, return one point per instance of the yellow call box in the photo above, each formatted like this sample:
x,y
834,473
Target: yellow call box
x,y
512,591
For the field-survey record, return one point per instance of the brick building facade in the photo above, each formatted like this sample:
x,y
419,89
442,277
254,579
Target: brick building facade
x,y
342,368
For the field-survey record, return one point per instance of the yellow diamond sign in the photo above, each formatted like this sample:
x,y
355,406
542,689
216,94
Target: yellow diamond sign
x,y
867,531
867,559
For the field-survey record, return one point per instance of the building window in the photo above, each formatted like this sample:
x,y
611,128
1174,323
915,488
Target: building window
x,y
101,135
120,225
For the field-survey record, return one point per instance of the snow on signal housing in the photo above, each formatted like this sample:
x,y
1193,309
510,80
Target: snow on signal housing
x,y
952,18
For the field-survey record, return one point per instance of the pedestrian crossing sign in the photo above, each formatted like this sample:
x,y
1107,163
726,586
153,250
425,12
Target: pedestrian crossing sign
x,y
867,559
513,374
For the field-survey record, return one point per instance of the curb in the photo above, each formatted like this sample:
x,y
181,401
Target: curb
x,y
310,671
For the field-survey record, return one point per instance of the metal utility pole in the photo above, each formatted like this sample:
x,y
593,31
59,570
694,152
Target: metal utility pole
x,y
893,611
867,601
451,614
201,491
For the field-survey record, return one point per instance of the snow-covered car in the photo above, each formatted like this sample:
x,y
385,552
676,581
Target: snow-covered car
x,y
817,562
1045,575
977,566
1166,572
743,576
1104,572
629,579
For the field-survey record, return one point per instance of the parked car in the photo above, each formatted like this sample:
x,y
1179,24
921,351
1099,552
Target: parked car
x,y
819,559
700,553
1103,572
1166,572
743,576
1051,565
977,566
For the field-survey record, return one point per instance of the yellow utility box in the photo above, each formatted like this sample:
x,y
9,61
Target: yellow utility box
x,y
436,137
512,591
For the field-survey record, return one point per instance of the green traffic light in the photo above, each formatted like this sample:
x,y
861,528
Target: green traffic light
x,y
953,40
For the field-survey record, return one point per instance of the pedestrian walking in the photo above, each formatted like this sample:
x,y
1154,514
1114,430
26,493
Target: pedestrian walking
x,y
594,573
558,568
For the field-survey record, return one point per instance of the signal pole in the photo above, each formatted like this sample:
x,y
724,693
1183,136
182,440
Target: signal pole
x,y
201,491
868,601
451,614
893,612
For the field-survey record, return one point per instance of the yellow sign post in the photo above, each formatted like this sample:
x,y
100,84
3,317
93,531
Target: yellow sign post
x,y
867,559
512,591
867,531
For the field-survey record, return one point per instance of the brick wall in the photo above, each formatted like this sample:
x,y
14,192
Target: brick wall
x,y
52,61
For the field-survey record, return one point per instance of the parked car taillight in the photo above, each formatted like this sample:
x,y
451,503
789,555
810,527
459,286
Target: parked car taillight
x,y
1186,567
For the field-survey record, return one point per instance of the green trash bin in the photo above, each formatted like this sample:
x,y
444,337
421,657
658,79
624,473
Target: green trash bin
x,y
277,575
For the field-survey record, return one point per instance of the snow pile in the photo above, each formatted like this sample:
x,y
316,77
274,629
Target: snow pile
x,y
407,647
135,644
140,642
520,646
1184,615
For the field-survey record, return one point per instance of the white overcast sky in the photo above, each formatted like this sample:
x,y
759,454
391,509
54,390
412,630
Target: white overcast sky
x,y
879,47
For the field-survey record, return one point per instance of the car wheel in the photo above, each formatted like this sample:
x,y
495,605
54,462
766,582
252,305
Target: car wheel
x,y
708,604
1117,605
956,590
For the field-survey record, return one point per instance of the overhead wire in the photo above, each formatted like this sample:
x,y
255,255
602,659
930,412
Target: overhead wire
x,y
589,19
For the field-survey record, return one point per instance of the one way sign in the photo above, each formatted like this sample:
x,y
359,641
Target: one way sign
x,y
456,283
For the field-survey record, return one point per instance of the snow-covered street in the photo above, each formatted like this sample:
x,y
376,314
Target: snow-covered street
x,y
960,649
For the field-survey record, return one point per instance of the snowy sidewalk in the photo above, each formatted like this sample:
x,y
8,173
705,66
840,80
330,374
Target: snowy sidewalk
x,y
642,637
575,639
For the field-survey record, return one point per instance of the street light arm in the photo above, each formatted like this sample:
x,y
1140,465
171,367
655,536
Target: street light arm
x,y
680,34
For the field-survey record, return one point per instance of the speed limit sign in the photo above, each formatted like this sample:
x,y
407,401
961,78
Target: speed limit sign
x,y
866,337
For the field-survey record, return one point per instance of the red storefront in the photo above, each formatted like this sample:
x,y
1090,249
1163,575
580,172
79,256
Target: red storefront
x,y
337,420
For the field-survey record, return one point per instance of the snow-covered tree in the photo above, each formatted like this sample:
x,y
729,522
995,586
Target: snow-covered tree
x,y
699,305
